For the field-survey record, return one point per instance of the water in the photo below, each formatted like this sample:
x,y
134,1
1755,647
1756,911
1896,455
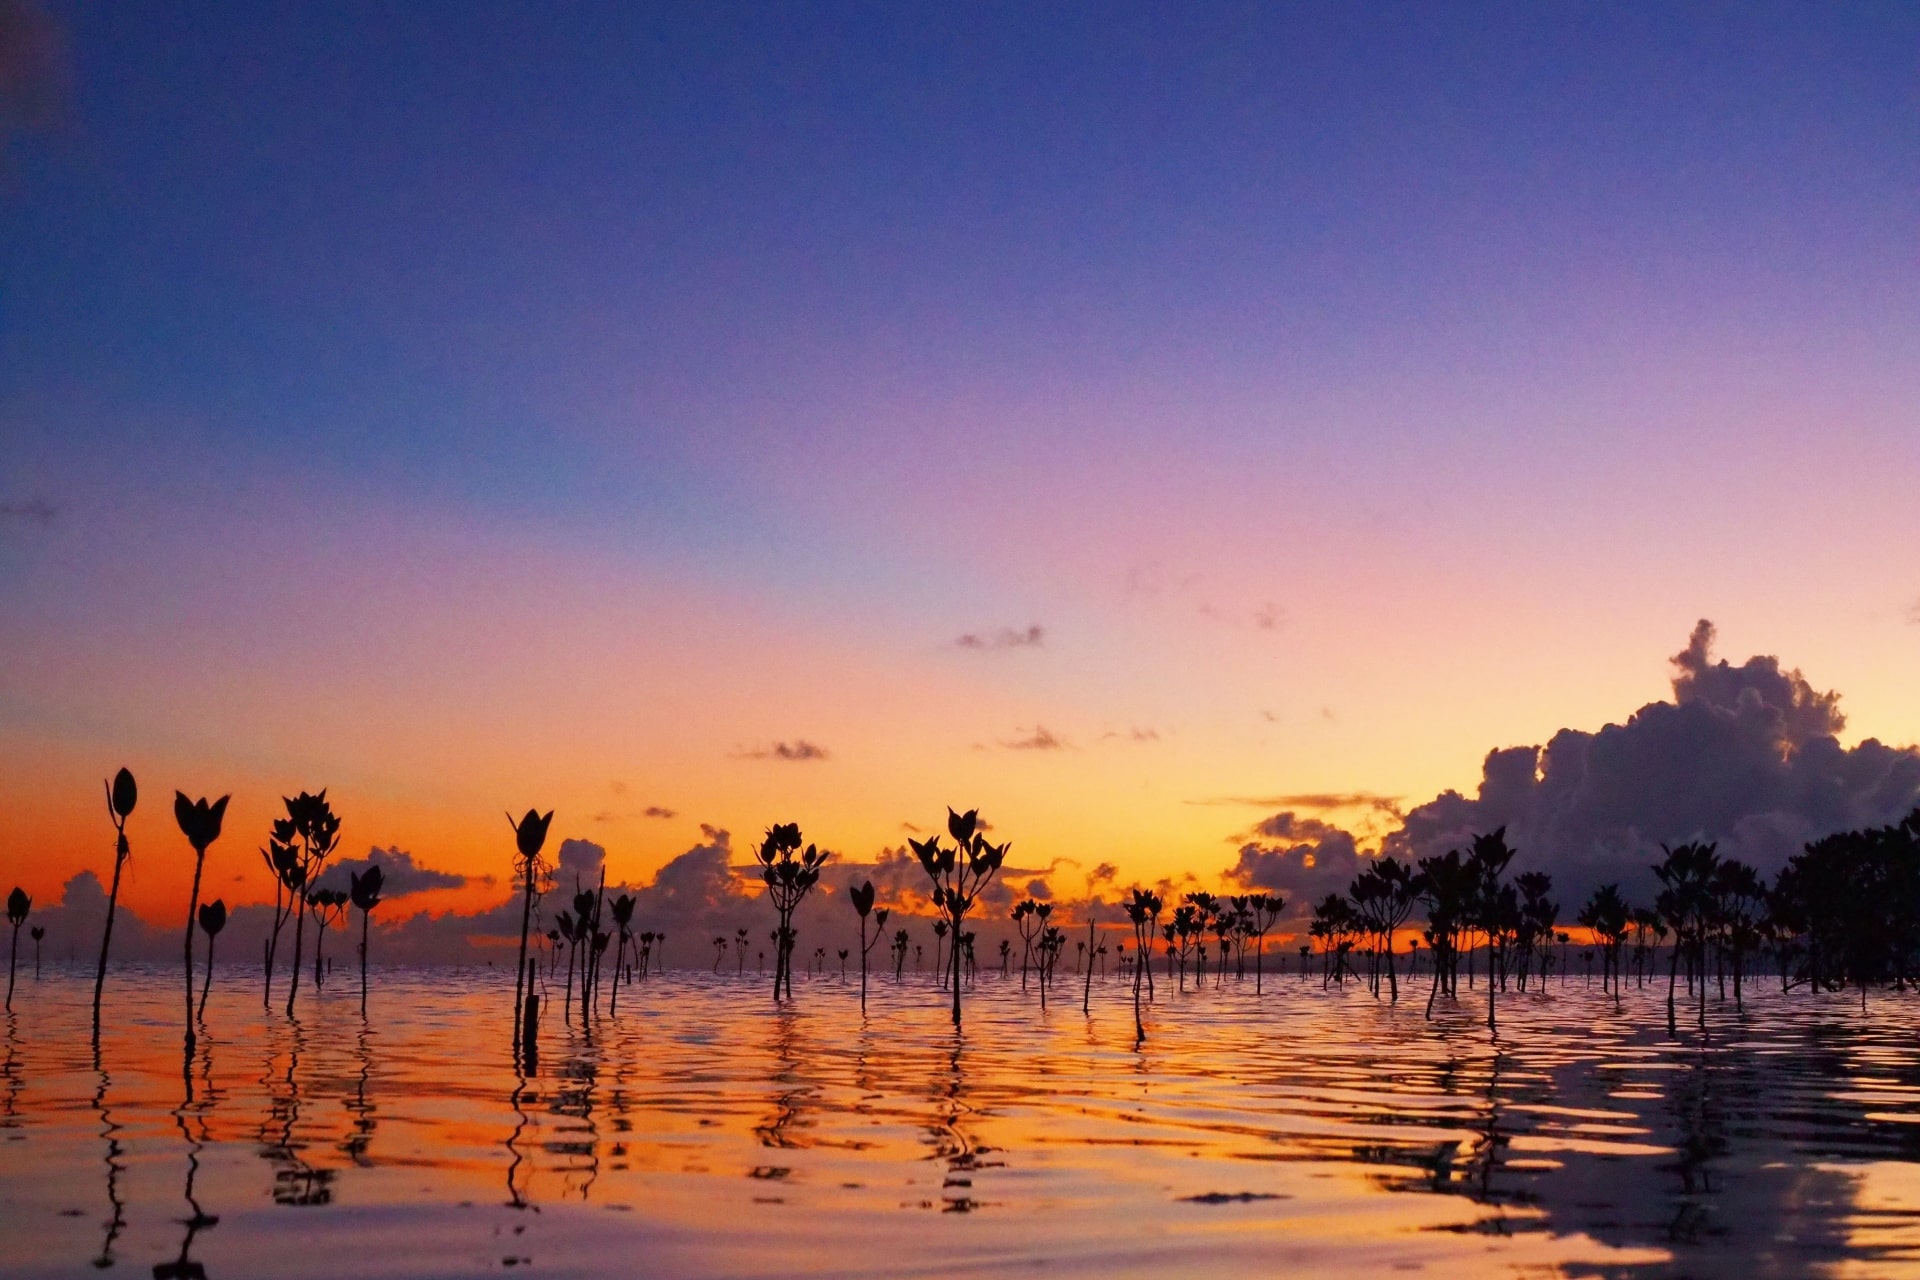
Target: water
x,y
702,1133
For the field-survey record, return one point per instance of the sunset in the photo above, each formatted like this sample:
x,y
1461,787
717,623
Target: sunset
x,y
1239,454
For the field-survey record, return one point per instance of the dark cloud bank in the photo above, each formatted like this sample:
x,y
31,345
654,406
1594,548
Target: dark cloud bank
x,y
1746,755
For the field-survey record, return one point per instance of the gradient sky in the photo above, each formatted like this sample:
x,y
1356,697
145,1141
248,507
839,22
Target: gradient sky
x,y
467,407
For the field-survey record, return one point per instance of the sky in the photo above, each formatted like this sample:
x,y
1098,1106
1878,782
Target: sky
x,y
1139,422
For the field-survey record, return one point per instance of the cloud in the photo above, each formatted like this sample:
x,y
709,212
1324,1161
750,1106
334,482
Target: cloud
x,y
1032,637
28,511
1314,801
400,874
579,862
1302,858
1913,613
1041,739
659,811
798,749
1744,755
1134,734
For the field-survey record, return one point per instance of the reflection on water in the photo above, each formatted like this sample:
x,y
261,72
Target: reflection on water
x,y
704,1132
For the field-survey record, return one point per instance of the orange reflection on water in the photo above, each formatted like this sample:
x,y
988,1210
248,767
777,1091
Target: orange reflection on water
x,y
704,1132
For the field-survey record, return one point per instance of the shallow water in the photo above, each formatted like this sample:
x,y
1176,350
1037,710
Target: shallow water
x,y
702,1133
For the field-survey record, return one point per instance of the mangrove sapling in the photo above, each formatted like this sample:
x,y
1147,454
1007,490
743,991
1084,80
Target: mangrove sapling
x,y
364,889
37,934
900,944
213,918
529,836
313,830
740,951
1266,910
1027,921
329,907
789,872
18,904
284,865
959,874
1144,911
939,951
623,934
121,794
1086,996
861,896
200,824
1495,905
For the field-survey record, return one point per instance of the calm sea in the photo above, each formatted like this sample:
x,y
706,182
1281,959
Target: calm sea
x,y
703,1132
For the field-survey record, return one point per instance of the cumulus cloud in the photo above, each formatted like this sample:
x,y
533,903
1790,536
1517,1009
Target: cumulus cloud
x,y
1031,637
798,749
1745,755
400,874
578,862
1299,857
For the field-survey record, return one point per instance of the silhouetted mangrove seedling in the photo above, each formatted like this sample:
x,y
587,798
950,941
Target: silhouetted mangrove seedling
x,y
622,912
1029,920
529,836
282,859
1607,917
363,888
719,951
1495,904
121,795
789,872
1383,897
1685,901
37,934
740,950
1143,911
861,896
18,904
200,824
313,831
959,874
212,919
901,941
329,907
940,928
1086,998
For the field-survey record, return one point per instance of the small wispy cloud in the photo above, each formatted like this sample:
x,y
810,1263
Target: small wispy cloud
x,y
1133,734
798,749
659,811
28,511
1031,637
1041,739
1314,801
1913,613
